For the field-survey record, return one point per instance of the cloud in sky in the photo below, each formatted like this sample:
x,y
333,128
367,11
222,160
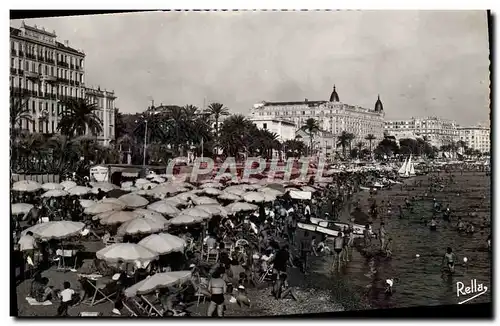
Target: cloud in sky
x,y
420,62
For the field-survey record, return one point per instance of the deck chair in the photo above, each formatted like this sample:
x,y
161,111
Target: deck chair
x,y
200,293
267,275
61,255
99,290
212,256
112,240
153,305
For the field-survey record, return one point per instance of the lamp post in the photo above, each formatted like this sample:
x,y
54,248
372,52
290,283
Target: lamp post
x,y
145,143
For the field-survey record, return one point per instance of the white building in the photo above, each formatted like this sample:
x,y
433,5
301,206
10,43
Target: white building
x,y
323,142
476,137
105,102
436,131
332,115
284,129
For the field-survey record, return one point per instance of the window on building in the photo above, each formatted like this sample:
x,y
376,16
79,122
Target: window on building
x,y
40,125
52,130
264,125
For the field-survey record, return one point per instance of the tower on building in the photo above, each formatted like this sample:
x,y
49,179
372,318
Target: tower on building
x,y
334,97
378,105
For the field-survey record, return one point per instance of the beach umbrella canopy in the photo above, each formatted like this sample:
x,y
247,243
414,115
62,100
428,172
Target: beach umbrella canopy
x,y
113,201
213,209
126,252
184,219
211,185
152,215
204,201
164,208
98,208
235,190
272,191
254,197
158,179
163,243
186,196
20,208
157,281
140,225
68,184
229,196
308,188
127,184
253,186
104,186
26,186
58,229
133,201
240,207
196,212
78,191
148,186
140,182
86,203
52,186
212,192
54,193
166,189
118,217
175,201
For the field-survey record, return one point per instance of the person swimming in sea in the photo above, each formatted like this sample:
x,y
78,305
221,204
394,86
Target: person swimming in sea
x,y
460,225
449,260
469,228
447,213
433,224
388,248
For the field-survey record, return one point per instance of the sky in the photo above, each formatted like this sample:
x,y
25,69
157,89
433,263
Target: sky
x,y
422,63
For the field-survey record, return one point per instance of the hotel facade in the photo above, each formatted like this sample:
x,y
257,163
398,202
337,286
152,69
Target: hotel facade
x,y
45,72
476,137
333,116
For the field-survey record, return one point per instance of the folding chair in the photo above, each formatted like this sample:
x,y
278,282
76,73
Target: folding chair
x,y
103,289
152,306
267,275
61,254
213,256
199,294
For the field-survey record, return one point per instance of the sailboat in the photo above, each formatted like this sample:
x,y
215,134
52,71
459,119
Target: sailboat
x,y
407,170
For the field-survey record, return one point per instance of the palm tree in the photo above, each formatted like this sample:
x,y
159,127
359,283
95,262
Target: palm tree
x,y
359,146
235,135
295,147
19,110
343,141
370,138
461,144
78,117
311,128
217,110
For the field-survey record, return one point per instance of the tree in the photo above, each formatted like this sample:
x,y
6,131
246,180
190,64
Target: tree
x,y
386,147
294,148
120,125
19,110
344,140
370,138
235,135
217,110
311,128
78,116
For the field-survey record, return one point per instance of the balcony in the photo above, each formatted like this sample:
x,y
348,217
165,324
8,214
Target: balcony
x,y
49,78
21,53
31,74
13,52
62,80
51,61
13,71
62,64
77,67
30,56
20,71
72,66
41,58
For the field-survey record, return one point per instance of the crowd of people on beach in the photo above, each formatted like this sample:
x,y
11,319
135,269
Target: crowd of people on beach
x,y
228,255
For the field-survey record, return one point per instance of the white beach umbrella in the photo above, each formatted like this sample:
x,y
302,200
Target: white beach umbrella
x,y
140,182
152,215
20,208
196,213
183,219
240,207
204,201
58,229
86,203
126,252
104,186
163,243
157,281
54,193
127,184
211,185
133,201
213,209
148,186
158,179
118,217
52,186
212,191
113,201
271,191
175,201
229,196
186,196
68,184
140,225
235,190
26,186
78,191
98,208
308,188
254,197
164,208
166,189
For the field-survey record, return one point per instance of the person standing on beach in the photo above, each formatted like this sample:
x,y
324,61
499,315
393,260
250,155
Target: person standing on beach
x,y
382,235
305,249
338,246
217,287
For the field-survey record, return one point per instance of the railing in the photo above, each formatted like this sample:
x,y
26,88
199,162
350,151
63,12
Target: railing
x,y
30,56
21,53
41,58
48,60
62,64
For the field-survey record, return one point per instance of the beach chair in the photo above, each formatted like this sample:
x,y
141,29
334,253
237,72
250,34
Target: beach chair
x,y
267,275
61,255
113,240
153,305
200,293
99,290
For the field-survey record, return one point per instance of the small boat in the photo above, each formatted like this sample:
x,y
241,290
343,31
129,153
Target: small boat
x,y
307,227
378,185
364,188
407,170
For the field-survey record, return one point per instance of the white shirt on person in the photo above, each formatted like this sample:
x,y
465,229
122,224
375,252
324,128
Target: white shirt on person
x,y
307,210
27,242
67,295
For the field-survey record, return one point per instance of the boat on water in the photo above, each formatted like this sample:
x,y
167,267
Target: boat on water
x,y
407,170
331,227
364,188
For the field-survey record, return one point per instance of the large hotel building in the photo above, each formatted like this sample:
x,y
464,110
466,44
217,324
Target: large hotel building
x,y
333,115
46,72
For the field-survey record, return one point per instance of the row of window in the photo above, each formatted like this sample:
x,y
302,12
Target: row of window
x,y
20,82
50,127
46,70
46,53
